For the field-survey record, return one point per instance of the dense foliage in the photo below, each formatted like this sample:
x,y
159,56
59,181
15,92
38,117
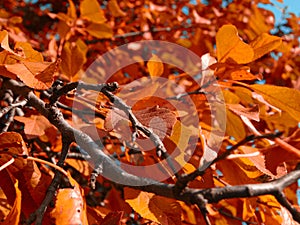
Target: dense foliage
x,y
104,123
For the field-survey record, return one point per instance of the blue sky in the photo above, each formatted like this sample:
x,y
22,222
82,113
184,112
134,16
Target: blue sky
x,y
292,6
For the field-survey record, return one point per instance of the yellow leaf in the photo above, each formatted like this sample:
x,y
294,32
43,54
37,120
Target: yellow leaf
x,y
153,207
4,40
248,167
180,136
155,66
235,126
99,30
115,9
72,10
26,51
283,98
263,44
91,11
230,48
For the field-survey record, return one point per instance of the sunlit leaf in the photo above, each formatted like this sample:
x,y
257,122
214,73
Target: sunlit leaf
x,y
251,113
155,66
158,209
230,48
264,44
72,10
115,9
4,41
70,206
102,30
26,50
91,10
284,98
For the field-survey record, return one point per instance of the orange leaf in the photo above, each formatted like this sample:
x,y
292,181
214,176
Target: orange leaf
x,y
231,48
160,120
155,66
13,143
251,113
180,136
116,202
112,218
13,217
284,98
100,30
70,207
37,75
25,50
73,57
91,11
276,155
35,125
33,184
263,44
241,74
72,10
234,126
115,9
4,41
156,208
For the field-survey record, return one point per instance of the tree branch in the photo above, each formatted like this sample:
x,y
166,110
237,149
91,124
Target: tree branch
x,y
109,169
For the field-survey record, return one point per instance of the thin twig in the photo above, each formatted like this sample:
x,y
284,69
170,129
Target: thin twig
x,y
185,179
110,169
37,216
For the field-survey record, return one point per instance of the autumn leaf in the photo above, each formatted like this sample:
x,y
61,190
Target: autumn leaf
x,y
264,44
235,127
36,75
250,113
160,120
180,136
155,66
112,218
91,11
72,10
282,97
230,48
102,30
13,218
32,183
13,143
4,41
25,49
114,8
158,209
73,57
70,207
35,125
